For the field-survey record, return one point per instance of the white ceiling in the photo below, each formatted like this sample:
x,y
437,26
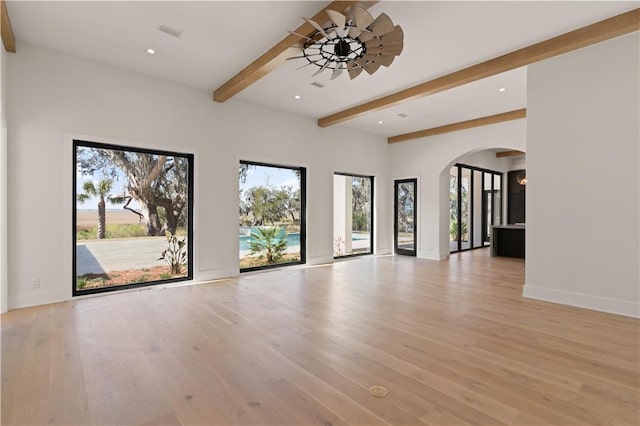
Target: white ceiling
x,y
220,38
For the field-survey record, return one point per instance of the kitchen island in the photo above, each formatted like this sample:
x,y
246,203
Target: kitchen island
x,y
508,240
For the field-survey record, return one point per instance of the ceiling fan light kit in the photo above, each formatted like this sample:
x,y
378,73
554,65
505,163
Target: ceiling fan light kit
x,y
352,43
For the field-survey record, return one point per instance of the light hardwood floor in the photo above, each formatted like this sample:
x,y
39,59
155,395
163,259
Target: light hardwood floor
x,y
452,341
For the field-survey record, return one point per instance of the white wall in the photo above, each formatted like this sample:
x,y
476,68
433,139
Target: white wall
x,y
430,158
54,97
3,183
583,211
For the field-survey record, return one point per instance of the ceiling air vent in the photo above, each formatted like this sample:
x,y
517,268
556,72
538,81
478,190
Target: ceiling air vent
x,y
317,84
170,31
403,115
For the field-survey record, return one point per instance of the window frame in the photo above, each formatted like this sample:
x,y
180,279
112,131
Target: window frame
x,y
190,212
303,215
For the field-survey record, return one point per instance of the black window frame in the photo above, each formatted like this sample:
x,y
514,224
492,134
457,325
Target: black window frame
x,y
190,203
494,176
396,249
303,215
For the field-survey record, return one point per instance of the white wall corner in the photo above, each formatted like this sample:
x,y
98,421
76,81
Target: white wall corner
x,y
580,300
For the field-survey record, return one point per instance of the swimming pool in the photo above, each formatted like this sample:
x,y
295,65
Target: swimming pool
x,y
293,239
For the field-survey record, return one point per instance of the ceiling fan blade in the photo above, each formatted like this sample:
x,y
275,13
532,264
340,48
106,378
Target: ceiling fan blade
x,y
366,36
361,17
302,56
305,65
389,44
353,32
337,72
371,67
395,36
317,27
322,68
302,36
382,59
376,48
337,18
353,69
382,25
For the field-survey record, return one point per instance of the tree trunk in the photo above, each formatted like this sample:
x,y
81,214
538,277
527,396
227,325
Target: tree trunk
x,y
172,222
172,214
150,213
101,218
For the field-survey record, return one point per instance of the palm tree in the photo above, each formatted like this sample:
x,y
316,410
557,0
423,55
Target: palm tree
x,y
269,241
101,190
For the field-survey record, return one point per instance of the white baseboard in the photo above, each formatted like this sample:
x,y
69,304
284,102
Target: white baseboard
x,y
37,297
432,255
215,274
383,252
320,260
596,303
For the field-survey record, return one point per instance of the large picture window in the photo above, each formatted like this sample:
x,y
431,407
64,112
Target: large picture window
x,y
352,215
271,215
132,215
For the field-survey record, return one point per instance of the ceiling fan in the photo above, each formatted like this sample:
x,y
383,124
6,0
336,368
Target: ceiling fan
x,y
354,43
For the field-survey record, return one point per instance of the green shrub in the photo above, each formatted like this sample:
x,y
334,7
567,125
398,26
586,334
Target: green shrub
x,y
81,282
175,254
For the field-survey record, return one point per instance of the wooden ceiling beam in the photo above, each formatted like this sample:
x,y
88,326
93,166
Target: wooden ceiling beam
x,y
513,153
600,31
278,53
5,29
476,122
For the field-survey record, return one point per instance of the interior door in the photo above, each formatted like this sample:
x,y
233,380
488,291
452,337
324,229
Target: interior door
x,y
405,223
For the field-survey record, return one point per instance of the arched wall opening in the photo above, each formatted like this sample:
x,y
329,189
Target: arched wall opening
x,y
485,159
429,160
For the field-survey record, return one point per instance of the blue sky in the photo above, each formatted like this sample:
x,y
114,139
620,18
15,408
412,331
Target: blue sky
x,y
259,175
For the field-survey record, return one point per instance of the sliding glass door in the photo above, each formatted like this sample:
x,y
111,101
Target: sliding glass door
x,y
405,218
475,204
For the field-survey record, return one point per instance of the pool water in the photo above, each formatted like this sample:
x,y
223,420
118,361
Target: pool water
x,y
293,239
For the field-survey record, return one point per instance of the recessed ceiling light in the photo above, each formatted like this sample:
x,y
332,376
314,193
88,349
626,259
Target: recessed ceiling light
x,y
380,122
151,51
502,89
296,97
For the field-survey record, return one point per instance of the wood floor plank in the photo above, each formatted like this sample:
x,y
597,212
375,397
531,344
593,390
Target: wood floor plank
x,y
453,341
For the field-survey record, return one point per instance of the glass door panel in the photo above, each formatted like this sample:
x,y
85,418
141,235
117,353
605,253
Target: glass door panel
x,y
497,200
476,211
405,218
487,204
465,209
453,209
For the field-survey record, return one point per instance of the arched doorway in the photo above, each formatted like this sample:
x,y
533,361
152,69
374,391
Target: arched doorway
x,y
474,197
